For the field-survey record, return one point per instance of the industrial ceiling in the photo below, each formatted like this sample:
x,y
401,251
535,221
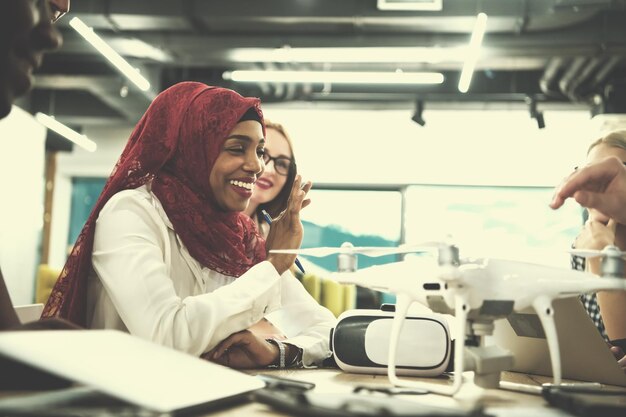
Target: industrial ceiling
x,y
549,52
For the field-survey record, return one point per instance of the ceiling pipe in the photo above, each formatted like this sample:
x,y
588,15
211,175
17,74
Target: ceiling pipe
x,y
577,79
601,76
571,75
549,82
579,87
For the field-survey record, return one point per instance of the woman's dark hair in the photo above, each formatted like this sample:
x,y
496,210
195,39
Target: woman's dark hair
x,y
279,203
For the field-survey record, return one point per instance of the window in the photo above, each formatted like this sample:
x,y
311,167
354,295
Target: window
x,y
85,193
363,218
504,222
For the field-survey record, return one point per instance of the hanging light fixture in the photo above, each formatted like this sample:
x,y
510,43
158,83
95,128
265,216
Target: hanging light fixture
x,y
72,135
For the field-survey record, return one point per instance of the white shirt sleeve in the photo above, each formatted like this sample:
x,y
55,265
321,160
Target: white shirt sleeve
x,y
131,248
306,323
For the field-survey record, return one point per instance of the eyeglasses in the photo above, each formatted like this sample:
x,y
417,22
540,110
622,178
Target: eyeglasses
x,y
56,15
282,164
54,11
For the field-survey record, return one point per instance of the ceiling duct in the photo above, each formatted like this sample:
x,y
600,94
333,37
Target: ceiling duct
x,y
577,79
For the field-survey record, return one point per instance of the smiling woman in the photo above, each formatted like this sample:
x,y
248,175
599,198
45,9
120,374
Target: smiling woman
x,y
239,164
167,253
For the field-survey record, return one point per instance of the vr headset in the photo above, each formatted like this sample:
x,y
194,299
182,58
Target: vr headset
x,y
360,343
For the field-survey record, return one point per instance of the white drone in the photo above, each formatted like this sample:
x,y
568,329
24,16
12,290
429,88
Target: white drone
x,y
476,292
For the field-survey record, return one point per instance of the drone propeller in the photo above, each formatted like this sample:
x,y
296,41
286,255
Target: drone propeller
x,y
371,251
594,253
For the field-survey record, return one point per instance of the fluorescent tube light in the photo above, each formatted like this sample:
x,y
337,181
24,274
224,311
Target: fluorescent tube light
x,y
109,53
473,52
139,49
428,5
350,54
335,77
52,124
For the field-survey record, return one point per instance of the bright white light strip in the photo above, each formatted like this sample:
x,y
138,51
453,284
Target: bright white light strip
x,y
473,52
52,124
351,55
431,5
335,77
109,53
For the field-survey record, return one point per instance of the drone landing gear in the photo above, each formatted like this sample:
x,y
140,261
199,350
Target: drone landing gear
x,y
545,311
403,301
487,362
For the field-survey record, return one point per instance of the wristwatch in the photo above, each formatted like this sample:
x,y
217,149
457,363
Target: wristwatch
x,y
281,352
296,362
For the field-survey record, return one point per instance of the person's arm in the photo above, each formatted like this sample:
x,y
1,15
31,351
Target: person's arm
x,y
301,317
8,317
286,230
596,235
131,252
600,186
306,323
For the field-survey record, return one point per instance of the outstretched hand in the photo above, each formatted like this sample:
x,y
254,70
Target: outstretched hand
x,y
244,350
286,230
600,186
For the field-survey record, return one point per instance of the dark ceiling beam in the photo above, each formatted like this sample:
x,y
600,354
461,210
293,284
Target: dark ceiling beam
x,y
73,107
197,38
604,33
433,102
106,88
291,15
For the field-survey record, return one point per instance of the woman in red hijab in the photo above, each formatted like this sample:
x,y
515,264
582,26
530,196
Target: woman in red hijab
x,y
167,253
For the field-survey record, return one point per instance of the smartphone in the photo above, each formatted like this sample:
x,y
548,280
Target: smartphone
x,y
277,382
601,403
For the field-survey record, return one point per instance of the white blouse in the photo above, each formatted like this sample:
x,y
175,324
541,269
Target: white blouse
x,y
144,281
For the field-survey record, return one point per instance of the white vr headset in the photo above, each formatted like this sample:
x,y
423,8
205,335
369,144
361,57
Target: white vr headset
x,y
360,343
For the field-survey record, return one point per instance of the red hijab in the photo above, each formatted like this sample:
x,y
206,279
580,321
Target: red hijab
x,y
174,145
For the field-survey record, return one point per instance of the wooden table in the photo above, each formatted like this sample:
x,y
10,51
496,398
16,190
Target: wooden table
x,y
497,402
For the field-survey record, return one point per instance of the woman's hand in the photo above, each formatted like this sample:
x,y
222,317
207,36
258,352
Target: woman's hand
x,y
596,235
286,230
619,355
244,350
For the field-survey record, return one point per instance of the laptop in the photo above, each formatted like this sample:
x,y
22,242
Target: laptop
x,y
585,356
129,369
28,312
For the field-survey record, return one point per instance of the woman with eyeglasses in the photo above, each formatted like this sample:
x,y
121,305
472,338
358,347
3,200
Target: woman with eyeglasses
x,y
606,308
271,190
